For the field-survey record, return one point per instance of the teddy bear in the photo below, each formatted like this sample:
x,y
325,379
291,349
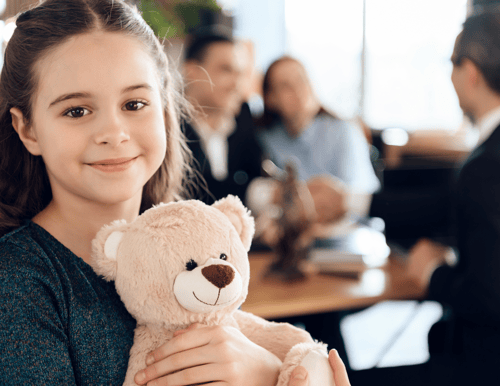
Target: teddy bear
x,y
186,262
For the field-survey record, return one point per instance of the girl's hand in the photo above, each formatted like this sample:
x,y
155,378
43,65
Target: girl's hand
x,y
218,354
300,377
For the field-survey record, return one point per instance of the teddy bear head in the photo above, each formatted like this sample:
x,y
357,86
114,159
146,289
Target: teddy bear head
x,y
179,263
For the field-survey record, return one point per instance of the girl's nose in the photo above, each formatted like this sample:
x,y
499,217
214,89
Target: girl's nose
x,y
112,130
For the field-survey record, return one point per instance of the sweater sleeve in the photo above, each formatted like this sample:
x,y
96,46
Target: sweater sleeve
x,y
33,338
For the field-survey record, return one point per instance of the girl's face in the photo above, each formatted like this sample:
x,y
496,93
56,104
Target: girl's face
x,y
290,92
98,120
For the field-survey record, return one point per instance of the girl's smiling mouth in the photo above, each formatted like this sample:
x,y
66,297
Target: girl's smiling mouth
x,y
113,165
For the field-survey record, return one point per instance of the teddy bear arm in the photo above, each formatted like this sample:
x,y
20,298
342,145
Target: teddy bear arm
x,y
312,356
277,338
144,343
137,362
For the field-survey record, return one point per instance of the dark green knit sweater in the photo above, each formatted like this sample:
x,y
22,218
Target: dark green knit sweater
x,y
60,324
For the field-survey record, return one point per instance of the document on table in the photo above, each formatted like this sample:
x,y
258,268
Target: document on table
x,y
352,252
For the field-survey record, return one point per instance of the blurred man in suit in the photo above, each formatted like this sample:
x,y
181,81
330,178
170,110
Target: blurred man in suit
x,y
221,133
471,288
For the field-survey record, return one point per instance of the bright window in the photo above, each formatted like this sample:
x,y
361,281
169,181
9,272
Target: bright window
x,y
406,78
327,37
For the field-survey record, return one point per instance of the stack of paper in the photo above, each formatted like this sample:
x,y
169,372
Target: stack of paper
x,y
352,253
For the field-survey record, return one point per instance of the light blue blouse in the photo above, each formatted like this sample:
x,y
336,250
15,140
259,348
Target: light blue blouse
x,y
326,146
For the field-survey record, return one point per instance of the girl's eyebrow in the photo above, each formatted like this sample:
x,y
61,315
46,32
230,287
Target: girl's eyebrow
x,y
137,86
73,95
76,95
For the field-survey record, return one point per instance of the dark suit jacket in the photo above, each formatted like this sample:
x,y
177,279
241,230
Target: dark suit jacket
x,y
472,288
244,160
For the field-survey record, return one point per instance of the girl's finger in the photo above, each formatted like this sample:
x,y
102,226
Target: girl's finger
x,y
299,377
196,375
177,362
188,339
339,370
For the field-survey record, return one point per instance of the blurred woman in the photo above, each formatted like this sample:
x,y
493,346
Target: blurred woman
x,y
295,127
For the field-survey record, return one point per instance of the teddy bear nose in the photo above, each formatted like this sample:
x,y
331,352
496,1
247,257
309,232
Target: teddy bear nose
x,y
218,274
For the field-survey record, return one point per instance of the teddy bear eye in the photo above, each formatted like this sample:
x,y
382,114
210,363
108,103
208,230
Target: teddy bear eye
x,y
191,264
223,256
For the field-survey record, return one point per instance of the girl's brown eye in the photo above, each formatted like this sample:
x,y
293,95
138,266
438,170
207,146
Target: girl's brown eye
x,y
76,112
134,105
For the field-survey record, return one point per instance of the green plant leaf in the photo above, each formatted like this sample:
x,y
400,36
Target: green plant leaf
x,y
176,19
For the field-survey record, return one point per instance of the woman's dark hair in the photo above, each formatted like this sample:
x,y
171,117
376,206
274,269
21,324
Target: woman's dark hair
x,y
269,117
479,42
24,184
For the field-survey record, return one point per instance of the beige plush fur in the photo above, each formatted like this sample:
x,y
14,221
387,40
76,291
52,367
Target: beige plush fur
x,y
186,262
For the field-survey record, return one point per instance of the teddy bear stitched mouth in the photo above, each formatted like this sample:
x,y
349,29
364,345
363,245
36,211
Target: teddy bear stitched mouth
x,y
215,304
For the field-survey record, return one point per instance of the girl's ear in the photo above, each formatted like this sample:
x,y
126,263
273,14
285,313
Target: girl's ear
x,y
105,249
24,131
239,216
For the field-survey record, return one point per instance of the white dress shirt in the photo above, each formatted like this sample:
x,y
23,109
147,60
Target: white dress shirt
x,y
487,124
214,144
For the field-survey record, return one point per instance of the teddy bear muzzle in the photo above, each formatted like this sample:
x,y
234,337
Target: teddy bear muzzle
x,y
207,288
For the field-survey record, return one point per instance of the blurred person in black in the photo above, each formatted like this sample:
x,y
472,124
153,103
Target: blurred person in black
x,y
220,133
470,339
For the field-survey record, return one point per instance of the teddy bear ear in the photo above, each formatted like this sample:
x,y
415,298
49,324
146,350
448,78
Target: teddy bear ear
x,y
105,249
239,216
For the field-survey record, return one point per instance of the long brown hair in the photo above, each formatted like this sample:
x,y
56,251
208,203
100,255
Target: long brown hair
x,y
24,184
269,117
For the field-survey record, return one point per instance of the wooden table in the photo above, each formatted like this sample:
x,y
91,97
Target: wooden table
x,y
272,299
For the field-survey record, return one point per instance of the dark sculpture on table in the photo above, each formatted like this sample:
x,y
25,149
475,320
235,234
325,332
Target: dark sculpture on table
x,y
294,226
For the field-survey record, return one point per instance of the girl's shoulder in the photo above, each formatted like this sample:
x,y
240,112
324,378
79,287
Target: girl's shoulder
x,y
18,242
29,271
23,241
30,253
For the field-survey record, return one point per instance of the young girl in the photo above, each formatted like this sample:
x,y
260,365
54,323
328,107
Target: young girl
x,y
89,134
